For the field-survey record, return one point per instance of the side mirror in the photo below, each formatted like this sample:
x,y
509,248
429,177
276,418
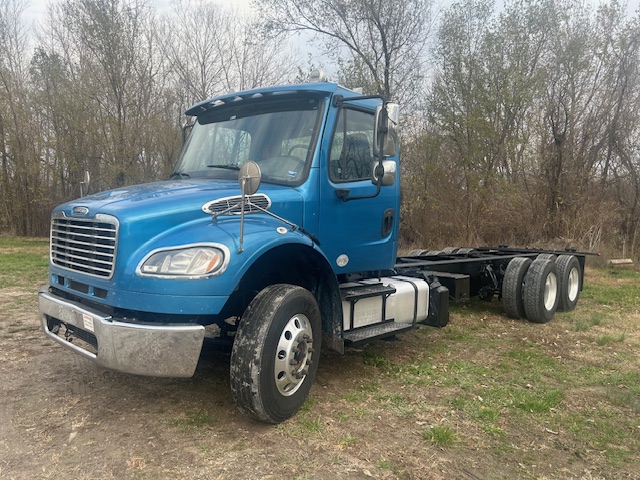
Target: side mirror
x,y
387,119
386,175
249,178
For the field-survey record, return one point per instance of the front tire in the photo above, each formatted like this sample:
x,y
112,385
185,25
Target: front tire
x,y
275,353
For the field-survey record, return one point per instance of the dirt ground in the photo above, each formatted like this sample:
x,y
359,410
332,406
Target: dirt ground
x,y
63,417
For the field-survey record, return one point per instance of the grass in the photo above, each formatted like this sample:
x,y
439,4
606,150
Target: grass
x,y
388,466
582,325
196,420
607,339
7,243
494,396
511,382
440,436
348,440
615,288
23,263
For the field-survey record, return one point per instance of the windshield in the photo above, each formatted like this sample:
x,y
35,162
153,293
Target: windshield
x,y
277,134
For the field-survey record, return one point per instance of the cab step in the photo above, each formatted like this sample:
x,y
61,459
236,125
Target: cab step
x,y
378,330
356,292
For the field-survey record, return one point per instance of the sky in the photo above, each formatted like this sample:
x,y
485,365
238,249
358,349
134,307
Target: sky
x,y
37,9
35,13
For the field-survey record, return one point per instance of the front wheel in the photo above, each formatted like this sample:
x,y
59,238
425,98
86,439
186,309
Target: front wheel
x,y
275,353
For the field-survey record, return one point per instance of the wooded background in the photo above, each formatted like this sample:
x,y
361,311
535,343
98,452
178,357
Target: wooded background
x,y
521,121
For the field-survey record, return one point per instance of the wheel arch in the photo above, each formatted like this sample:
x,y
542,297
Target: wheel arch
x,y
294,264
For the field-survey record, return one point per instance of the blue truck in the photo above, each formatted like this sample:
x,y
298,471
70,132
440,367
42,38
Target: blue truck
x,y
275,237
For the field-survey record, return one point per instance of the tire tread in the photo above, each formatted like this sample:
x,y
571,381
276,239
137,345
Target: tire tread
x,y
565,263
512,299
249,346
534,291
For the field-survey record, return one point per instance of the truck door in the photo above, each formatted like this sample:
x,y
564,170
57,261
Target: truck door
x,y
359,234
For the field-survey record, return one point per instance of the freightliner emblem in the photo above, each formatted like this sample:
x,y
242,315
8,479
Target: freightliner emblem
x,y
80,210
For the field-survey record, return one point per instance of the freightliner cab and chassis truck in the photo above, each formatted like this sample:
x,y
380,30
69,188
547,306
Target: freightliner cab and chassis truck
x,y
278,231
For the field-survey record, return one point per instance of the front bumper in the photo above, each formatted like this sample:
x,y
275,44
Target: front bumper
x,y
153,350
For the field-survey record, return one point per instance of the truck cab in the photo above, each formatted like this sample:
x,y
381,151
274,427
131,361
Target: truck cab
x,y
137,273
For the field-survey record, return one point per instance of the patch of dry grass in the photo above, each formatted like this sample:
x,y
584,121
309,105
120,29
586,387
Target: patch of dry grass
x,y
485,397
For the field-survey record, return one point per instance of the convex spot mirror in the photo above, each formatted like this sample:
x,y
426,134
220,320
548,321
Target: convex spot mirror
x,y
249,178
387,176
387,119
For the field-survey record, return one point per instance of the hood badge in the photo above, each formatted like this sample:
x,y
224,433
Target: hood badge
x,y
80,210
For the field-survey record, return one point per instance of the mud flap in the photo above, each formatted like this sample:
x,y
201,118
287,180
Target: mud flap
x,y
438,306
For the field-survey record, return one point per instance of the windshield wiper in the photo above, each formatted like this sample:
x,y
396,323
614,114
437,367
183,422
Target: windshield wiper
x,y
230,166
179,175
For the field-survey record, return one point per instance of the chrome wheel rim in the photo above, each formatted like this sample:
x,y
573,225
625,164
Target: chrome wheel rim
x,y
573,284
293,355
550,291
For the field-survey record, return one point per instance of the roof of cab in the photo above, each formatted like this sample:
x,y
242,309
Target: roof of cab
x,y
326,88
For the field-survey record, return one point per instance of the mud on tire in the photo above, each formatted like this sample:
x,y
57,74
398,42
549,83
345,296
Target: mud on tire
x,y
275,353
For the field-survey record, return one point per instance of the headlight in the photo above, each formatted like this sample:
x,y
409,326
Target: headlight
x,y
186,262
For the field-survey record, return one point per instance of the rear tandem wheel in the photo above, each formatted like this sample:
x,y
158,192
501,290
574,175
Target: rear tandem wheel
x,y
569,282
541,290
512,287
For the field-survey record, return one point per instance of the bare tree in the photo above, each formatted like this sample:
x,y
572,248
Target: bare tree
x,y
212,50
21,172
620,107
100,63
385,40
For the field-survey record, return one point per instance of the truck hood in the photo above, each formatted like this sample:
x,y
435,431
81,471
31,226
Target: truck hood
x,y
171,213
184,198
150,195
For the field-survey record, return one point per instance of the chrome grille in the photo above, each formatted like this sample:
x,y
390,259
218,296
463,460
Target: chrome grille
x,y
86,245
233,204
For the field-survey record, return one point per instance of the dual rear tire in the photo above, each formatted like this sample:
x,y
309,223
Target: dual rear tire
x,y
570,282
536,289
540,294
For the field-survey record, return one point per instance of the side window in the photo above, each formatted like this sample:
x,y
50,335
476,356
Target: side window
x,y
351,156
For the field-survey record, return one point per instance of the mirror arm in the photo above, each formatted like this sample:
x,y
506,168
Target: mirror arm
x,y
243,182
343,193
293,226
186,130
